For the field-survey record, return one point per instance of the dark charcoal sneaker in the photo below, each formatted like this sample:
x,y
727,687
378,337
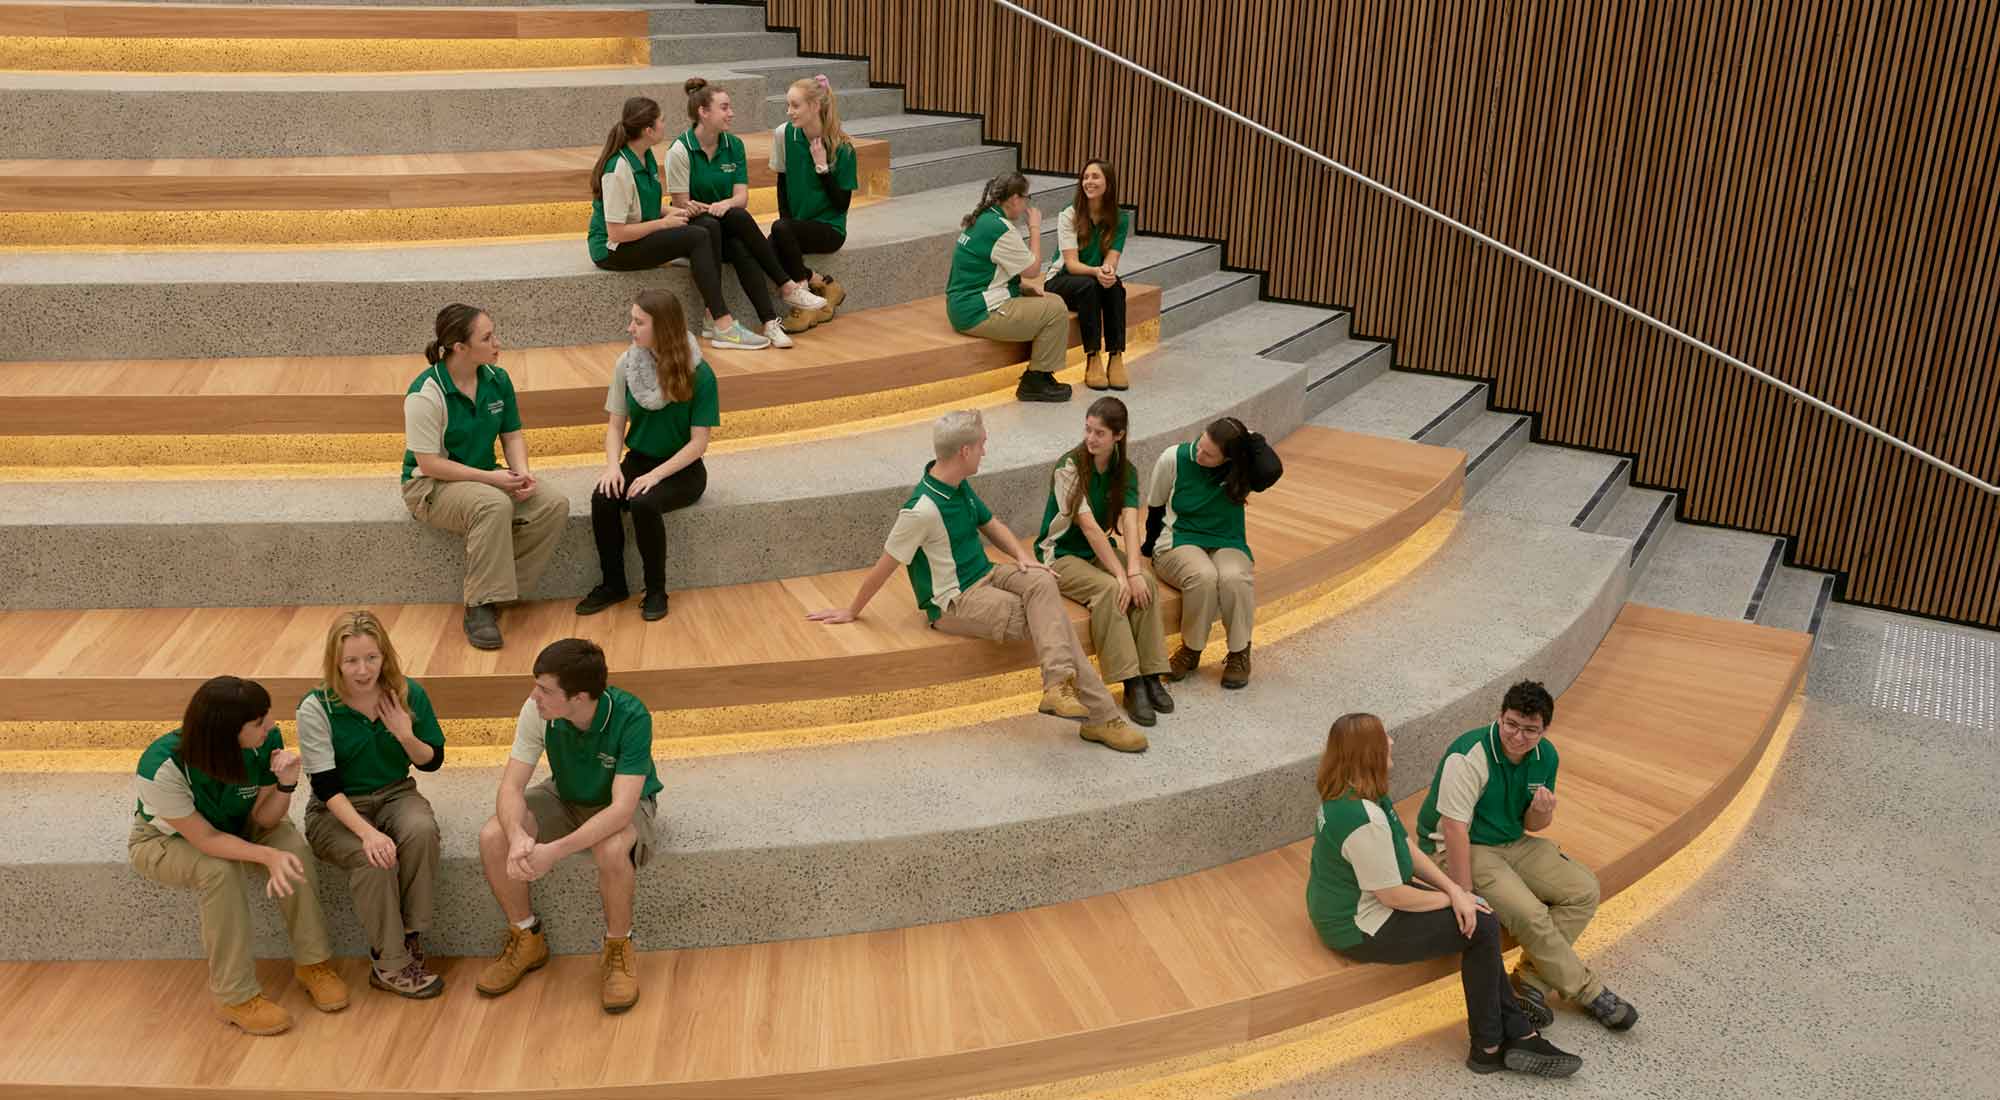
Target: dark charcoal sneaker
x,y
599,599
1534,1006
1478,1061
1041,386
1536,1055
1613,1011
654,607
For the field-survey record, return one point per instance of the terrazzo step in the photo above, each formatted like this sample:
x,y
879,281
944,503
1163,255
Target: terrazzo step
x,y
1314,342
1711,571
1796,599
855,103
694,19
382,301
778,73
1342,370
912,134
1642,517
674,46
1490,441
1557,486
945,167
1205,299
775,511
988,818
1428,408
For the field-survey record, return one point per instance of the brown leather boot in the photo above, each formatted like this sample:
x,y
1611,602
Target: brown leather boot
x,y
328,992
1236,669
621,977
1114,373
256,1016
526,949
1182,663
1093,372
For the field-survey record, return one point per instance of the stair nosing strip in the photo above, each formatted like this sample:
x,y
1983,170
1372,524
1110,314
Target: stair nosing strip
x,y
1603,487
1764,580
1476,389
1231,285
1487,451
1347,366
1652,526
1820,603
1302,333
938,157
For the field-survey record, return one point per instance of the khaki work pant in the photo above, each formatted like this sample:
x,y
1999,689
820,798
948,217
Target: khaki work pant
x,y
389,900
508,543
1208,580
1545,900
1011,603
1043,320
225,909
1129,643
556,818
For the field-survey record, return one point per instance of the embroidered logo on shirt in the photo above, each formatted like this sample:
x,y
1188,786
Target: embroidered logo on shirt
x,y
607,760
496,406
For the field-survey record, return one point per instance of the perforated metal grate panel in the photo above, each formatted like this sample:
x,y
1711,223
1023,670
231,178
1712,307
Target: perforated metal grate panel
x,y
1942,674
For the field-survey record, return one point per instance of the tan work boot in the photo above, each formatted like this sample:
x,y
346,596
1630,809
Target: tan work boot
x,y
1114,734
1093,372
526,949
1114,372
1236,669
328,992
826,288
1183,663
621,978
255,1016
1062,702
799,320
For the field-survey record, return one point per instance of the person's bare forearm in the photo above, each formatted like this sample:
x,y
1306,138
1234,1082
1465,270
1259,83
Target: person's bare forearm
x,y
1004,539
872,583
271,807
511,807
600,825
1457,851
515,446
1410,899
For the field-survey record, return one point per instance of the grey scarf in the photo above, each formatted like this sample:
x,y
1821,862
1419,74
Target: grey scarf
x,y
642,376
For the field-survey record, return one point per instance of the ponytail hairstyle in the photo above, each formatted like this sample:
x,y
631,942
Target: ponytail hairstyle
x,y
817,90
1080,217
638,116
454,327
673,364
998,190
1111,413
1233,440
700,94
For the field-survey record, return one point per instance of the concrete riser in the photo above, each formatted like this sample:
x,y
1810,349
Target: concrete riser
x,y
1179,317
1331,391
674,46
978,163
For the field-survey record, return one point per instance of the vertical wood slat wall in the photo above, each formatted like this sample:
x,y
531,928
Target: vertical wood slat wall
x,y
1814,188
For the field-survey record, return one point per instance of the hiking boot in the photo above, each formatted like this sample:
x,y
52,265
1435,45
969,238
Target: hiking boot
x,y
1038,385
1114,734
1534,1005
413,981
1139,702
1114,372
526,949
256,1016
799,320
1537,1057
328,992
600,598
482,626
1182,664
1612,1011
621,980
833,292
1236,669
1093,373
1156,687
414,943
1061,701
654,607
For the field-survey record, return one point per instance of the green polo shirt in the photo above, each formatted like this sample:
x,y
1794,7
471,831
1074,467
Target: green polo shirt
x,y
627,179
704,178
438,418
1359,847
805,192
976,284
334,735
1061,536
1199,511
662,432
1477,784
936,537
583,761
169,788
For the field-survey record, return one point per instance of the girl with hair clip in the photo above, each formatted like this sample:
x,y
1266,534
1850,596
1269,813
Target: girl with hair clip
x,y
817,178
708,175
632,230
360,732
663,404
995,288
1090,238
1196,498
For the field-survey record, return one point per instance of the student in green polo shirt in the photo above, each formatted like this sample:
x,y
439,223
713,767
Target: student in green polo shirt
x,y
630,227
600,797
212,798
1197,495
663,403
817,177
454,413
937,539
360,732
1090,239
1494,786
708,174
1094,499
995,288
1374,900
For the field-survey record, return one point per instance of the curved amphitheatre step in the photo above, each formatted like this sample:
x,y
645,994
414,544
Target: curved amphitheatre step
x,y
1141,975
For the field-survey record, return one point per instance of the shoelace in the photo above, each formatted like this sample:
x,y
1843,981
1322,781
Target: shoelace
x,y
617,956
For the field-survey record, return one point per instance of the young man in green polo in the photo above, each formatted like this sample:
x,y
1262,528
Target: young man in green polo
x,y
599,798
1495,785
937,538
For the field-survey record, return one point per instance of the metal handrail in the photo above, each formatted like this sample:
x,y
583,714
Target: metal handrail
x,y
1567,280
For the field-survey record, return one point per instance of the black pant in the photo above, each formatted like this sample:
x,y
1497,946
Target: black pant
x,y
1098,308
649,530
1491,1012
662,247
738,240
792,238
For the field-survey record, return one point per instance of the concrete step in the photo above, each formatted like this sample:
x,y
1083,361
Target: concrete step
x,y
965,164
778,73
855,103
1796,599
1642,517
1340,371
1425,407
699,19
1552,485
1489,442
913,134
1708,571
987,818
781,510
1207,298
679,47
1315,341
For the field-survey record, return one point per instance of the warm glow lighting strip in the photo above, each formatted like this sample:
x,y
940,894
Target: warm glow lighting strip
x,y
70,53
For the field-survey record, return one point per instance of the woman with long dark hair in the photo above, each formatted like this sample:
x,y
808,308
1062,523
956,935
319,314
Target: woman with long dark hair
x,y
1202,549
1090,240
995,290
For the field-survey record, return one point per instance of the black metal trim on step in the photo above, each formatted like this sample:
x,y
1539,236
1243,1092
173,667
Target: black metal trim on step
x,y
1375,347
1449,411
1304,332
1487,451
1603,488
1824,598
1764,580
1652,527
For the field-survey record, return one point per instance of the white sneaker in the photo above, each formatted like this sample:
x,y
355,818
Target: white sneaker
x,y
707,328
804,298
774,331
738,338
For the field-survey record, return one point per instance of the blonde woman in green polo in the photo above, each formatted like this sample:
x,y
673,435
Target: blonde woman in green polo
x,y
995,288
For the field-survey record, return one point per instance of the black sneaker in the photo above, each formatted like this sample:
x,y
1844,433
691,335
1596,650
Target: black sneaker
x,y
1139,702
600,598
1156,686
1613,1011
654,607
1041,386
1534,1006
1480,1061
1539,1057
482,626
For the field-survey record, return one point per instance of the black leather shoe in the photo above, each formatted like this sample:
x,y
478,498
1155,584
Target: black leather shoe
x,y
482,626
1139,702
1156,688
600,598
654,607
1041,386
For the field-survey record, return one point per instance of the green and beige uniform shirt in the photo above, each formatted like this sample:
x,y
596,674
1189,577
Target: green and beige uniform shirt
x,y
439,419
1198,509
986,268
333,735
168,788
937,537
1359,847
1477,784
583,762
631,189
1061,536
662,432
1088,252
705,178
805,192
